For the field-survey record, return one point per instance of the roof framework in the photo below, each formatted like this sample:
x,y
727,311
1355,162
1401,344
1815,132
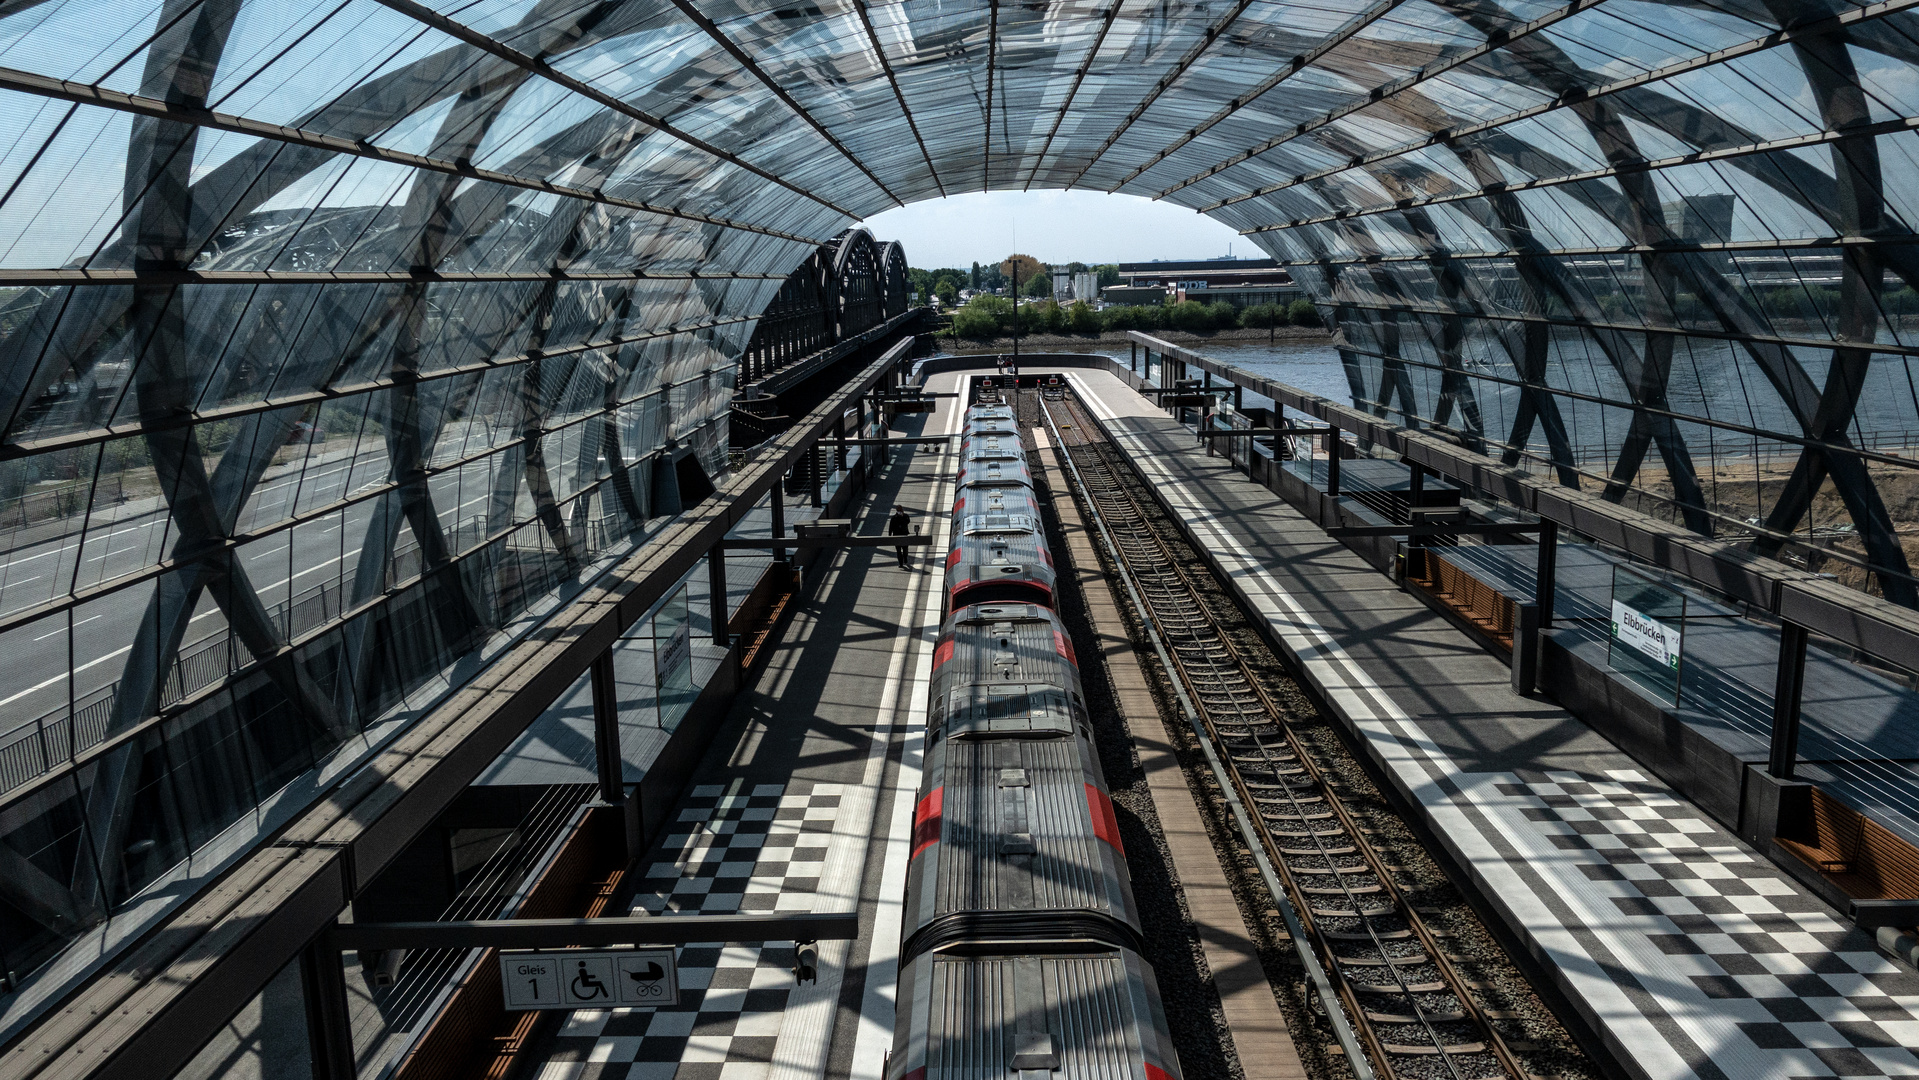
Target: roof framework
x,y
505,256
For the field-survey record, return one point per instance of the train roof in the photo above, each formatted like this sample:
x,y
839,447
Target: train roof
x,y
1009,710
996,472
1065,1017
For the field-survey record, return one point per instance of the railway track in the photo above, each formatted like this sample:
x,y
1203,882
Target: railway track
x,y
1378,972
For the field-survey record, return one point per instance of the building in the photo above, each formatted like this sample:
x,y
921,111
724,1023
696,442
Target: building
x,y
1239,282
1086,286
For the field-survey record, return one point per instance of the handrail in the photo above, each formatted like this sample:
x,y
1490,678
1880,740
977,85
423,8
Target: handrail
x,y
1874,626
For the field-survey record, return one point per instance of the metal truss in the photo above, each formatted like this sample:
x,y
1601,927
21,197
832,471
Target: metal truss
x,y
1072,94
886,65
1564,98
537,66
161,109
752,67
1355,26
1165,82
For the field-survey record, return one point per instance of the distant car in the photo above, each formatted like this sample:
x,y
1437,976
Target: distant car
x,y
306,432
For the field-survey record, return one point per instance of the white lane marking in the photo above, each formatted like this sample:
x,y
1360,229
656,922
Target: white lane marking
x,y
62,677
806,1031
874,1034
1408,751
63,629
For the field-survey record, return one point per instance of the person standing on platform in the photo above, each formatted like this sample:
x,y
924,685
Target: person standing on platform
x,y
897,526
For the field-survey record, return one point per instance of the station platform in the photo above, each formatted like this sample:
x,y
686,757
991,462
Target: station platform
x,y
803,803
1686,952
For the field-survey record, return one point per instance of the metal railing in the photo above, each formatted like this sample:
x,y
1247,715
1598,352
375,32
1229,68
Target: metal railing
x,y
38,746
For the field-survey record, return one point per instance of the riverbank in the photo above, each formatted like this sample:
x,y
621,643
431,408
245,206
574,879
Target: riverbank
x,y
1113,340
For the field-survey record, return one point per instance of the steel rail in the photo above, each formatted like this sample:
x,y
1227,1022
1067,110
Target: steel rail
x,y
1215,673
1316,976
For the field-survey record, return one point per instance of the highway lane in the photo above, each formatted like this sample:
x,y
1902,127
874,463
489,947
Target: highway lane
x,y
35,681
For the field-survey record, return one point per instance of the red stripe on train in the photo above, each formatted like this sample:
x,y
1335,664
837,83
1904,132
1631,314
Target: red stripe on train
x,y
1105,824
1064,647
943,653
926,821
1153,1072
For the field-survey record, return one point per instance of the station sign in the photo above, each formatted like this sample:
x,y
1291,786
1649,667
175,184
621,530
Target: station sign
x,y
581,979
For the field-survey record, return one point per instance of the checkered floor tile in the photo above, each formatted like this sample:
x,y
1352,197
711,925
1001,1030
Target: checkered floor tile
x,y
1809,996
757,849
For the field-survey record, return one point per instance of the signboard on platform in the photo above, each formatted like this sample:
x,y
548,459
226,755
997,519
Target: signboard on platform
x,y
580,979
1647,634
1648,638
674,654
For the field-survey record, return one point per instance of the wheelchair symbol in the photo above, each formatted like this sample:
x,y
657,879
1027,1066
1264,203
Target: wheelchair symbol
x,y
586,987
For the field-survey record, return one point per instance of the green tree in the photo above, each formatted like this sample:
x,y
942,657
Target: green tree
x,y
1037,285
975,275
1046,318
947,290
1082,319
1262,316
1108,274
1301,312
983,316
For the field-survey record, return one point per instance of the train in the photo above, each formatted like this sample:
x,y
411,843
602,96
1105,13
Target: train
x,y
1020,950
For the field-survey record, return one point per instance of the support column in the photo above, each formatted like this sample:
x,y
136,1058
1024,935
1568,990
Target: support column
x,y
1416,493
1332,465
329,1025
779,518
1785,700
1526,642
716,587
1546,578
606,730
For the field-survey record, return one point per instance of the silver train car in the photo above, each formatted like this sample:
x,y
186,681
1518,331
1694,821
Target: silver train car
x,y
999,550
1021,939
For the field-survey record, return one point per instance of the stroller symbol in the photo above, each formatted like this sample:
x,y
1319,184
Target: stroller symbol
x,y
653,973
587,987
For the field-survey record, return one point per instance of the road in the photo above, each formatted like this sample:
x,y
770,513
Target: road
x,y
34,681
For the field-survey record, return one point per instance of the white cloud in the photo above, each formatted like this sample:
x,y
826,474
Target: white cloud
x,y
1054,227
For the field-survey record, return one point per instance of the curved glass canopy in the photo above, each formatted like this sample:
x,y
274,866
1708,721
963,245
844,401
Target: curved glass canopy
x,y
339,335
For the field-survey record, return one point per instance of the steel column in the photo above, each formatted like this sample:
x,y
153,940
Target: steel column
x,y
1546,577
1786,694
716,586
779,518
329,1023
606,729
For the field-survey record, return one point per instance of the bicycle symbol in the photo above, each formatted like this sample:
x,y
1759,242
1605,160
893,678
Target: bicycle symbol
x,y
587,987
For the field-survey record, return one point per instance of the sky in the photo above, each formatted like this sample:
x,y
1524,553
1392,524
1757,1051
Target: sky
x,y
1053,227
